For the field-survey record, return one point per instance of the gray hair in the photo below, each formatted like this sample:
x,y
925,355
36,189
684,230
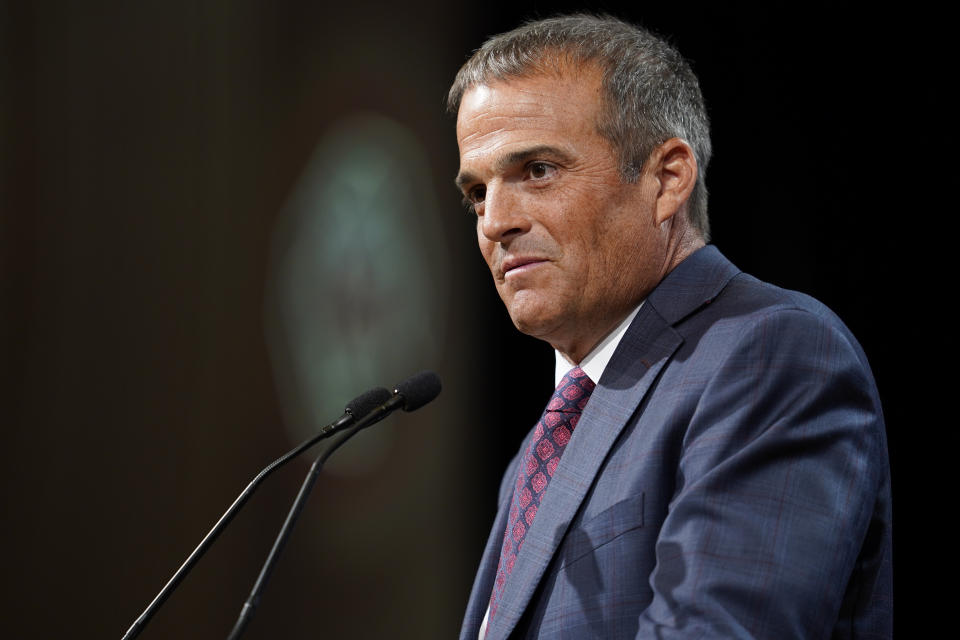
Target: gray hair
x,y
650,91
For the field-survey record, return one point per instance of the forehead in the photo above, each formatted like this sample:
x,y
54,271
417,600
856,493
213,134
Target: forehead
x,y
552,109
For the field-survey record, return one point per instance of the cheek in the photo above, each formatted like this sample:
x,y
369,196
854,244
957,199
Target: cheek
x,y
487,249
483,242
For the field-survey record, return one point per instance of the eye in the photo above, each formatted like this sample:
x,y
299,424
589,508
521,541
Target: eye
x,y
474,197
477,194
540,170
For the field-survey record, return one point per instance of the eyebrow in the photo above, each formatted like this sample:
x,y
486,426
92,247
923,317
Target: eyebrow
x,y
514,158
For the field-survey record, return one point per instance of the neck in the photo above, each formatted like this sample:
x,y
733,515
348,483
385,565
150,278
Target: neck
x,y
580,346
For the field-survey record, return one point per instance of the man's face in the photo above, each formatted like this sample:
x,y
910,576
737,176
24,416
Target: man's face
x,y
572,249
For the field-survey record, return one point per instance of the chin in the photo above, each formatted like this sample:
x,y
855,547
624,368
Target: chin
x,y
536,325
536,313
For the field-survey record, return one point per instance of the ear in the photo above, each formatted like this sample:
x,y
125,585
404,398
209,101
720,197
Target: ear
x,y
675,170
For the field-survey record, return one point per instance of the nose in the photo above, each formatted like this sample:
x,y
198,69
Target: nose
x,y
503,216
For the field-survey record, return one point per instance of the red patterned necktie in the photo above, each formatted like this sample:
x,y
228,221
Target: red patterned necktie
x,y
549,439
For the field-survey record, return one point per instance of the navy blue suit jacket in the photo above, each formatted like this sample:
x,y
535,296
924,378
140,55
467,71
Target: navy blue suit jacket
x,y
728,479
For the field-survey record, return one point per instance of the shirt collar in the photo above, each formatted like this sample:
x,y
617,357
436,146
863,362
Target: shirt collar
x,y
596,361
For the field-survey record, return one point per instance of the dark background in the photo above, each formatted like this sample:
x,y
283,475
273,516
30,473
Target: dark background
x,y
147,151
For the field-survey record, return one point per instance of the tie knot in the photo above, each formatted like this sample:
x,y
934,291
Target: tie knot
x,y
572,393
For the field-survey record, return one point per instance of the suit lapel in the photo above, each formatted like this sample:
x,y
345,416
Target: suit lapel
x,y
644,350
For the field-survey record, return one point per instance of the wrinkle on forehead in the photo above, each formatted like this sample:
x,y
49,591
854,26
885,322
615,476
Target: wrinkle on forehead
x,y
528,102
484,141
490,119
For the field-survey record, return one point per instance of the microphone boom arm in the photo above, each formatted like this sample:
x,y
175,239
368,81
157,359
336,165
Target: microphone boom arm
x,y
359,404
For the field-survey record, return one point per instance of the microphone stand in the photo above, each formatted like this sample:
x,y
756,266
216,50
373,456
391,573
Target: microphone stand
x,y
249,607
409,395
359,405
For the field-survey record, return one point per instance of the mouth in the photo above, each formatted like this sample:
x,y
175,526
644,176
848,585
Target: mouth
x,y
519,264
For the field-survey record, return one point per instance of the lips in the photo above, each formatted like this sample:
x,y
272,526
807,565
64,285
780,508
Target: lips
x,y
515,263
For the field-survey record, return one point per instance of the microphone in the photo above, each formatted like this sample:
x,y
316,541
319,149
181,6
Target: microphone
x,y
363,405
418,390
409,395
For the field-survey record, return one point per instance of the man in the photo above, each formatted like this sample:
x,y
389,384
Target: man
x,y
714,463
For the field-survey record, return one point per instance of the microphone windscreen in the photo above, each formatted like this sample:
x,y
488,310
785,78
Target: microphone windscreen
x,y
418,390
368,401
